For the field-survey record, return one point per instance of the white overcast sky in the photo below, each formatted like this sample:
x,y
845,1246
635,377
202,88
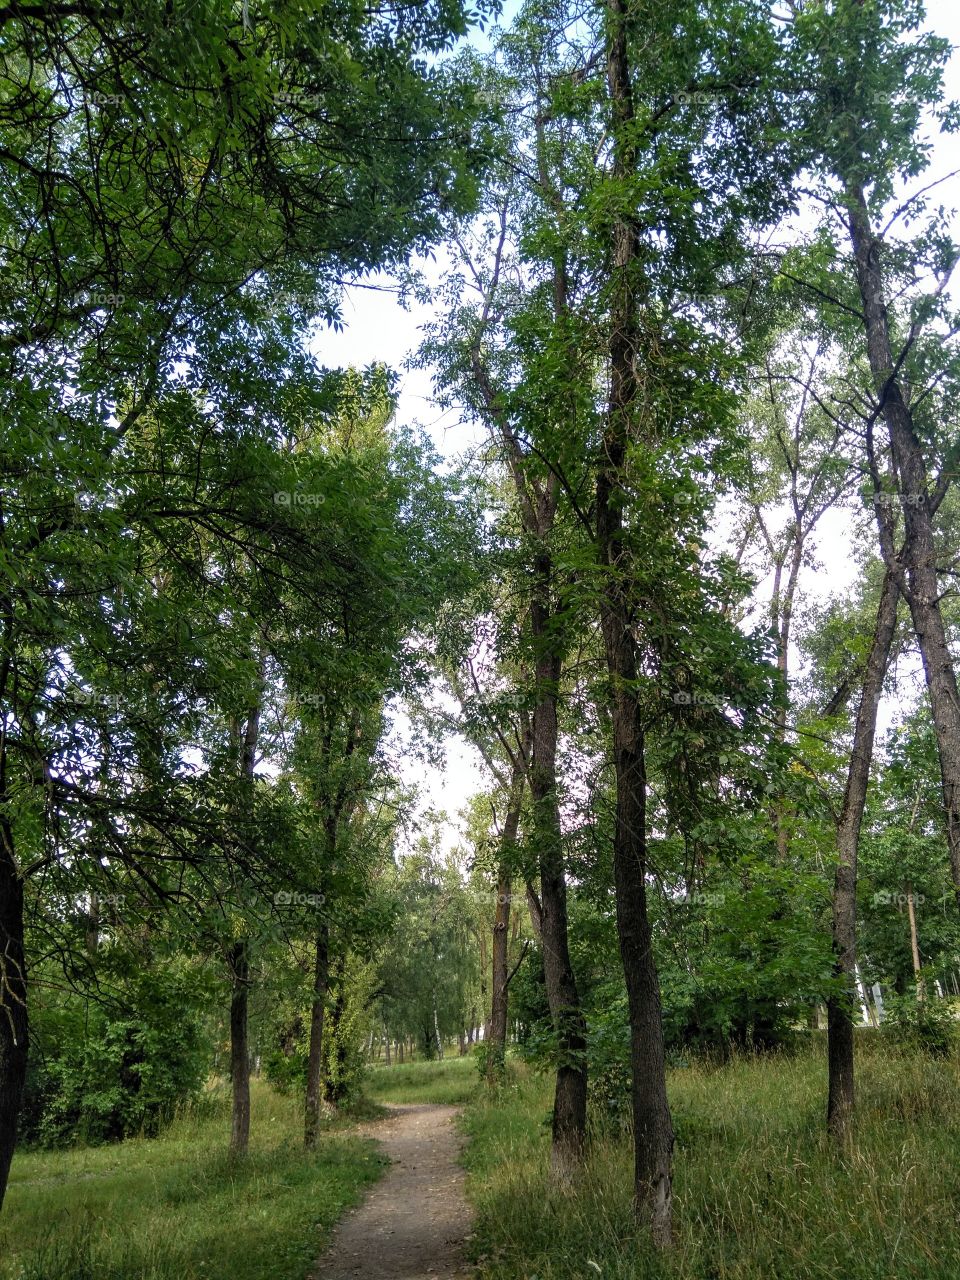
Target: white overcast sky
x,y
378,328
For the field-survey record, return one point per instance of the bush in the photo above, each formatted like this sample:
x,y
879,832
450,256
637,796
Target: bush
x,y
100,1074
287,1071
609,1073
925,1025
482,1053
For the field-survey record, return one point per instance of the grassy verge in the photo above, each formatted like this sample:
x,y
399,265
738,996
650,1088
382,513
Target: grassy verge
x,y
176,1208
759,1194
454,1080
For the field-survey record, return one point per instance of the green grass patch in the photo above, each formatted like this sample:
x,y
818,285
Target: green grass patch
x,y
759,1192
177,1208
452,1080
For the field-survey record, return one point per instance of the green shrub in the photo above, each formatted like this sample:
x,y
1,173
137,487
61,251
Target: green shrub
x,y
99,1075
482,1052
287,1071
926,1025
608,1060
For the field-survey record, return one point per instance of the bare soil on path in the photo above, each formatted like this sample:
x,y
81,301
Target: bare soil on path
x,y
415,1221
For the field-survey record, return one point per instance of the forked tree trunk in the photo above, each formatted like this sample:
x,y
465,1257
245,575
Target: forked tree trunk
x,y
916,567
321,982
841,1007
13,1002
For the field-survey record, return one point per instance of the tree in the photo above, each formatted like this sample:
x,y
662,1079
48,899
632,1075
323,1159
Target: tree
x,y
173,172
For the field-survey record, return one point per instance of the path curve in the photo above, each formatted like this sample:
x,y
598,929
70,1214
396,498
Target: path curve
x,y
414,1222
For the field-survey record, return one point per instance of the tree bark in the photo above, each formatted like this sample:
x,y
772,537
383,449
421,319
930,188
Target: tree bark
x,y
653,1129
239,1050
321,982
840,1008
536,913
652,1126
497,1035
914,941
570,1095
240,958
13,1002
332,1080
916,567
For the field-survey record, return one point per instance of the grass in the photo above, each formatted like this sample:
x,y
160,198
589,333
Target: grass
x,y
759,1193
176,1207
452,1080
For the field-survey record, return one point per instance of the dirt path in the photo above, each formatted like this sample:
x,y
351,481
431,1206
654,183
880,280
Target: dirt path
x,y
413,1224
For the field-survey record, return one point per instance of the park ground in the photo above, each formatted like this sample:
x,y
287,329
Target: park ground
x,y
760,1194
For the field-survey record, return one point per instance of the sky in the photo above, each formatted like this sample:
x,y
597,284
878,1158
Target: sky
x,y
379,329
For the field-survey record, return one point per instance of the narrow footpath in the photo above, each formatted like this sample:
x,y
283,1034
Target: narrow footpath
x,y
414,1223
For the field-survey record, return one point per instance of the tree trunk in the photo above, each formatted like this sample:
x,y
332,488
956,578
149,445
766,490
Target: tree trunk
x,y
916,567
914,942
652,1126
570,1096
497,1031
240,952
13,1002
332,1081
653,1130
537,504
239,1052
536,913
437,1038
321,977
840,1008
484,969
